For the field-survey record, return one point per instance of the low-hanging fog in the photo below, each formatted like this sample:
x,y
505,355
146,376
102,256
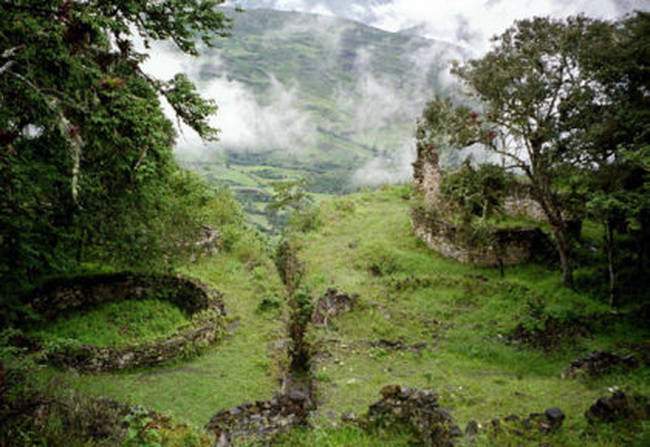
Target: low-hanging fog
x,y
355,93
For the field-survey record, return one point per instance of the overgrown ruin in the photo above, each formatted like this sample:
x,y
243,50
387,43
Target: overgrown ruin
x,y
492,247
201,303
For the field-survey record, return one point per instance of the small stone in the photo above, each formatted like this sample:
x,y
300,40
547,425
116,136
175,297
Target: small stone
x,y
455,431
349,417
472,428
298,396
511,418
390,390
555,416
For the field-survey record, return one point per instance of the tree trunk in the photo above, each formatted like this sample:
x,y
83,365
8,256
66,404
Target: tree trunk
x,y
555,218
564,250
609,246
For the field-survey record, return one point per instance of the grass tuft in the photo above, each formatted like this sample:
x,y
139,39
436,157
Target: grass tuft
x,y
116,323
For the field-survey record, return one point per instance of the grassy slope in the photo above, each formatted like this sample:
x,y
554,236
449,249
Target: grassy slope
x,y
240,368
460,317
334,67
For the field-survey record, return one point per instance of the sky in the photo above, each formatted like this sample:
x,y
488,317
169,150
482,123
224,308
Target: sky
x,y
466,22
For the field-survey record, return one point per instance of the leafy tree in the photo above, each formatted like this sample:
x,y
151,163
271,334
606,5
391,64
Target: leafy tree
x,y
291,197
616,143
86,164
477,191
539,95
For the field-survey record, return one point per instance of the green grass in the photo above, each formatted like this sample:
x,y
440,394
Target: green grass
x,y
114,323
407,293
461,312
243,367
328,436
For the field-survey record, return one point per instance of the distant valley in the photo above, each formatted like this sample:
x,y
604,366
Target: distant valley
x,y
316,97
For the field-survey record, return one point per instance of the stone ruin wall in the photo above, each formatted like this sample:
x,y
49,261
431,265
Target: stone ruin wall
x,y
427,174
521,203
203,304
513,246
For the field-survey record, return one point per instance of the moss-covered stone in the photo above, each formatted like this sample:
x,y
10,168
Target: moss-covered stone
x,y
203,304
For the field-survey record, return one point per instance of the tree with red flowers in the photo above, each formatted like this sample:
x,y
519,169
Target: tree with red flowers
x,y
543,92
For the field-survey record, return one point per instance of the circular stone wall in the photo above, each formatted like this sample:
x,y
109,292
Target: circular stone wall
x,y
202,304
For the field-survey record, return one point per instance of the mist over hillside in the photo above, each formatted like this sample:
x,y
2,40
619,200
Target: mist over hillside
x,y
310,89
469,23
309,96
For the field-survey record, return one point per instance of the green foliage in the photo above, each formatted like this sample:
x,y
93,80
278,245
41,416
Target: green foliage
x,y
557,97
85,150
477,191
140,432
305,220
116,323
287,263
18,375
289,194
304,306
446,124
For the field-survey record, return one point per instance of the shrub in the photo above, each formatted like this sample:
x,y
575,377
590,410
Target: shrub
x,y
477,191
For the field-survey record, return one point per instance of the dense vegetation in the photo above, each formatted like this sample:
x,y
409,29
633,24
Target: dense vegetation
x,y
90,183
565,105
86,167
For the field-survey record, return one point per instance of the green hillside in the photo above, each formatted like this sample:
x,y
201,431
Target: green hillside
x,y
421,321
355,90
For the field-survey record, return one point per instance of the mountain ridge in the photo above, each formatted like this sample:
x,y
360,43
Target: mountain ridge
x,y
319,97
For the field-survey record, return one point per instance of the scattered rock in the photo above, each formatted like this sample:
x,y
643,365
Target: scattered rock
x,y
209,242
418,410
261,419
532,428
398,345
349,417
640,351
472,428
599,363
619,406
330,305
552,334
555,417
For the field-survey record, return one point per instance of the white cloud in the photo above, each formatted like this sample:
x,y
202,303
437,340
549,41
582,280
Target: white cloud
x,y
473,22
467,22
244,123
394,168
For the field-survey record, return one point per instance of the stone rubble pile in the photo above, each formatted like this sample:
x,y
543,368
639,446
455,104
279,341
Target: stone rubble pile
x,y
599,363
619,406
330,305
417,410
261,419
533,427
